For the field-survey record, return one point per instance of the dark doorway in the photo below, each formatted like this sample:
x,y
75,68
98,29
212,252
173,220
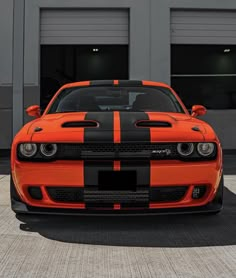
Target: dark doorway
x,y
62,64
205,74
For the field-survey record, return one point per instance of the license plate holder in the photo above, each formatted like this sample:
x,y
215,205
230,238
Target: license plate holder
x,y
117,180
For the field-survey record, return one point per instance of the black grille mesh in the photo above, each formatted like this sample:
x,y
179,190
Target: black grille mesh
x,y
116,147
153,194
66,194
110,150
167,193
116,196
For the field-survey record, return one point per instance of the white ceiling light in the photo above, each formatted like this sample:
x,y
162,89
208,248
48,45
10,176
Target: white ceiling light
x,y
95,49
226,50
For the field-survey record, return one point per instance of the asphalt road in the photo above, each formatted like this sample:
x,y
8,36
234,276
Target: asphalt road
x,y
153,246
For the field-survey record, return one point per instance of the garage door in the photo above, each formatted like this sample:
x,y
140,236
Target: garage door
x,y
203,27
84,26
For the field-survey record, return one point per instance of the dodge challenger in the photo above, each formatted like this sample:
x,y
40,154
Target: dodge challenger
x,y
116,147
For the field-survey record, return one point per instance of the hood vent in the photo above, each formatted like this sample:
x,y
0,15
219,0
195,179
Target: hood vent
x,y
80,124
153,124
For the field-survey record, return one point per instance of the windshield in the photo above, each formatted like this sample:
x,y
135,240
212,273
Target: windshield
x,y
98,98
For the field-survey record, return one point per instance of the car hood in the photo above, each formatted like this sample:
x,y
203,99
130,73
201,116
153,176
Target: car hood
x,y
182,127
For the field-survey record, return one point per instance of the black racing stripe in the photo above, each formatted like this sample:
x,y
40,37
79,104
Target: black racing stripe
x,y
91,172
130,133
130,83
142,169
104,132
128,129
101,134
125,83
101,83
91,179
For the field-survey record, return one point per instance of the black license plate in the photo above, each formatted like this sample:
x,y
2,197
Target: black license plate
x,y
117,180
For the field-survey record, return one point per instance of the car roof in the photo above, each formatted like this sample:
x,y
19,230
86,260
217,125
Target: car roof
x,y
129,83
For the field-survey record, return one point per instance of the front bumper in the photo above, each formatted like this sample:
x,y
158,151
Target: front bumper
x,y
72,173
22,208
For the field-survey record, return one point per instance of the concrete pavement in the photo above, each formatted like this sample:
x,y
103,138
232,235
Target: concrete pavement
x,y
153,246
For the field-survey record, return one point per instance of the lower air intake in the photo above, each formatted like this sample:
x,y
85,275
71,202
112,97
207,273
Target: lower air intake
x,y
199,191
124,197
66,194
167,193
35,192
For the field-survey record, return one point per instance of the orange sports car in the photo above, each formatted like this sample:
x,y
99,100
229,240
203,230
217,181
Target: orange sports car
x,y
119,147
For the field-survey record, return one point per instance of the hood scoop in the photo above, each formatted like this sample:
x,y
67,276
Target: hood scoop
x,y
80,124
149,123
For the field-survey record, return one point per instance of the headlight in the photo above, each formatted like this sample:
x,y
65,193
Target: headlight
x,y
28,149
205,149
185,149
48,150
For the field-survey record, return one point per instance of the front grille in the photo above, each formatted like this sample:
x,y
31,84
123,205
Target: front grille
x,y
110,147
167,193
129,197
111,151
117,151
66,194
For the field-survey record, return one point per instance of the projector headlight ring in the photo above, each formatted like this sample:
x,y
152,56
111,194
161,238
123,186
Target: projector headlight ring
x,y
28,149
205,149
185,149
48,150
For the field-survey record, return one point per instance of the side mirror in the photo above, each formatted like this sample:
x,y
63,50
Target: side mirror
x,y
198,110
33,111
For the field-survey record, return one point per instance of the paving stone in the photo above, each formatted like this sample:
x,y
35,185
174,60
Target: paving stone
x,y
118,247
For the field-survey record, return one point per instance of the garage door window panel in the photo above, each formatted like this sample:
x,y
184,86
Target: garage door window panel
x,y
205,74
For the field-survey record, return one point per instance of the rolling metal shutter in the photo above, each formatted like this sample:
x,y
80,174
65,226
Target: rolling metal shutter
x,y
84,26
203,27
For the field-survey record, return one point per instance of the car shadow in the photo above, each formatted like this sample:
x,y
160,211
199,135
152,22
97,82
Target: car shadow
x,y
140,231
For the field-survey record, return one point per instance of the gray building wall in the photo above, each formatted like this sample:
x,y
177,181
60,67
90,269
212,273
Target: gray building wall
x,y
149,53
6,48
